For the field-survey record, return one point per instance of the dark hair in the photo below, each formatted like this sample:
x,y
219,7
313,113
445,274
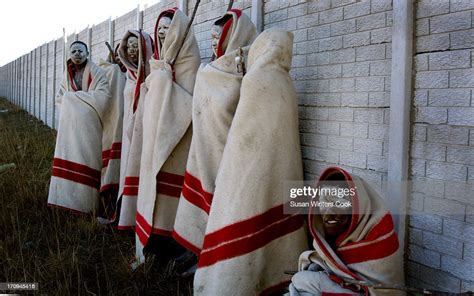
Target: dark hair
x,y
79,42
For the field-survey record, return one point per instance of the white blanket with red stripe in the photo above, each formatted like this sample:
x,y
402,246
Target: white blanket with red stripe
x,y
368,250
215,98
167,130
249,241
77,163
112,129
132,137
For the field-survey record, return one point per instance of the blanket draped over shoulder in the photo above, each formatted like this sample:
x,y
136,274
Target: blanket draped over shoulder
x,y
250,242
77,163
215,98
112,130
369,250
132,137
166,129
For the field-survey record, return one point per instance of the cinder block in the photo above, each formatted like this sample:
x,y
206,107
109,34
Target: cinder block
x,y
427,222
319,32
446,171
461,116
415,236
341,114
461,78
332,43
340,143
368,146
450,60
381,5
321,154
383,35
431,115
415,206
356,130
370,53
420,98
448,134
424,256
431,151
460,5
307,21
418,168
370,22
458,267
377,163
318,59
298,10
330,15
450,22
449,97
421,62
342,56
445,208
314,140
442,244
370,84
427,8
327,127
343,27
355,69
379,99
459,191
436,279
354,159
338,3
321,5
357,9
354,99
341,85
357,39
462,39
370,115
461,155
432,42
422,27
431,79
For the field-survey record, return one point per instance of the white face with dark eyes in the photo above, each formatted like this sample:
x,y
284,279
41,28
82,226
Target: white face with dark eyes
x,y
216,32
78,53
163,28
132,49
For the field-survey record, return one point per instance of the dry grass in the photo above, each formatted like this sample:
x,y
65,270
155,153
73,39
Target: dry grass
x,y
64,253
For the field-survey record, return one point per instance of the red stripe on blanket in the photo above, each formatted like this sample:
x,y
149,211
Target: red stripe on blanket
x,y
130,190
170,178
245,227
276,289
132,181
77,168
75,212
338,294
251,242
182,241
143,223
75,177
195,193
163,232
125,227
372,250
383,227
142,236
169,190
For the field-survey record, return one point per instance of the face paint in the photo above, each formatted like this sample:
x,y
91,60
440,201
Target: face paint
x,y
216,32
78,53
163,28
132,49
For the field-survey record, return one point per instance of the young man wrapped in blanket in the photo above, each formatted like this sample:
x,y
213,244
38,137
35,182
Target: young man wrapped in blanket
x,y
82,102
250,242
112,136
215,98
354,242
167,129
135,50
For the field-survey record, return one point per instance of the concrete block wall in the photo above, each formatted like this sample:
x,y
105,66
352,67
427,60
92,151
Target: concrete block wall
x,y
341,69
441,233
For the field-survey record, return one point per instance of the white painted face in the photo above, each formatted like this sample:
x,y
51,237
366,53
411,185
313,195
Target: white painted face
x,y
78,53
216,32
163,27
132,49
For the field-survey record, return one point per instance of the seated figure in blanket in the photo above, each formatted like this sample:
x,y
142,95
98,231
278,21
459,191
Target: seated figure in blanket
x,y
82,102
354,241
